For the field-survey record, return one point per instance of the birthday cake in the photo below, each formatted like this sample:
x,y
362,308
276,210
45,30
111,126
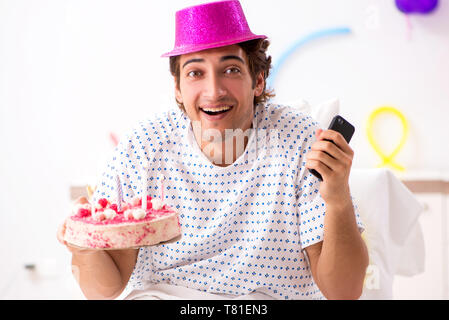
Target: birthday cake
x,y
131,225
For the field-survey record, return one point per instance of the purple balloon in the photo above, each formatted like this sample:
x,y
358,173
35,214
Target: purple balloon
x,y
417,6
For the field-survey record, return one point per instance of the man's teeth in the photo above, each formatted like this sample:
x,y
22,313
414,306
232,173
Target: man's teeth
x,y
217,109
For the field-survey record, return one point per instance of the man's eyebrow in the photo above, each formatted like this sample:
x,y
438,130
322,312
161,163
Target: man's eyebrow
x,y
231,57
191,61
224,58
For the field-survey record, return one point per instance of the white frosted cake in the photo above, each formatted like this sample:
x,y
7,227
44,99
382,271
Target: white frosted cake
x,y
130,227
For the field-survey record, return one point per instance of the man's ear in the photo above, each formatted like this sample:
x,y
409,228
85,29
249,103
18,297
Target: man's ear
x,y
178,94
260,84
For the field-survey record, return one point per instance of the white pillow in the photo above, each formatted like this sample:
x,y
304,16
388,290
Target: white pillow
x,y
322,113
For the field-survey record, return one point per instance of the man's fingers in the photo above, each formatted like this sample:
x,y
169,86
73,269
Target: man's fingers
x,y
319,166
325,158
81,200
60,233
329,148
338,139
73,249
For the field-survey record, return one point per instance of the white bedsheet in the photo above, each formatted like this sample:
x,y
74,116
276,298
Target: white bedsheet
x,y
393,233
163,291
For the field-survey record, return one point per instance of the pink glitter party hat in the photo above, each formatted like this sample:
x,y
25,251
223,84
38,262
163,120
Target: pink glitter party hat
x,y
210,25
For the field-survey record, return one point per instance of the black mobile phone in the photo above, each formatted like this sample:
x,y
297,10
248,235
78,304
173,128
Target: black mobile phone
x,y
346,129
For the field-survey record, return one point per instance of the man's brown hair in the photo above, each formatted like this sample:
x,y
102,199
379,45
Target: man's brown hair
x,y
258,61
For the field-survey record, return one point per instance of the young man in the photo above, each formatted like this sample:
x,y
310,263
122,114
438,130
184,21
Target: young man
x,y
254,220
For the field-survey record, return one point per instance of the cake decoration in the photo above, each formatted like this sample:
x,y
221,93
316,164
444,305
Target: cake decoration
x,y
116,224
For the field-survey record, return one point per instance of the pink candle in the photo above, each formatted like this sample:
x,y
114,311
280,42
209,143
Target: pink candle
x,y
162,177
145,167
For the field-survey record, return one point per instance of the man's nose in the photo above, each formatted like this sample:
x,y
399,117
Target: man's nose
x,y
215,89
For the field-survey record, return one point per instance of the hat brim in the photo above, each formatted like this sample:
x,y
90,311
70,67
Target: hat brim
x,y
200,47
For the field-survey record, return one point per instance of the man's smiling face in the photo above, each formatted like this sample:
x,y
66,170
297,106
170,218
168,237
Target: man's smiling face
x,y
216,88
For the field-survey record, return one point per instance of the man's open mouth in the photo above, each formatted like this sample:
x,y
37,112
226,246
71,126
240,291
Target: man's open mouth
x,y
216,110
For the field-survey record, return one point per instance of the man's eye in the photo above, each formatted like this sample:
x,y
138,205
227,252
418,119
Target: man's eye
x,y
193,74
232,70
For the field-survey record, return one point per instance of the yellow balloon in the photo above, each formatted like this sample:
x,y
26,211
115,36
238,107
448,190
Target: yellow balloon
x,y
387,160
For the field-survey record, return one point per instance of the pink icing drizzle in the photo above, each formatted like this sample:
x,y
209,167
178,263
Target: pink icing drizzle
x,y
151,214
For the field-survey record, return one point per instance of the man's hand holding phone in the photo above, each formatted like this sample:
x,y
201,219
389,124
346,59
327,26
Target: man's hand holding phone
x,y
331,156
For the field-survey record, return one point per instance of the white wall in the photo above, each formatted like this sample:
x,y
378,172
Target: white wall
x,y
379,63
72,71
